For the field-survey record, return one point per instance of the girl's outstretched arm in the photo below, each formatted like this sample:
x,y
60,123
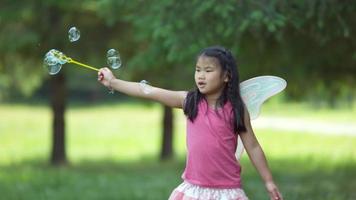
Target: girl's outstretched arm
x,y
258,159
166,97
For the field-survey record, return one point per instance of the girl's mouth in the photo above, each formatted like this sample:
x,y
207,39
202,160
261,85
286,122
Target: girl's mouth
x,y
201,84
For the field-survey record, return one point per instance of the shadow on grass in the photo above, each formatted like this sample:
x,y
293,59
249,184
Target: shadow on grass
x,y
104,179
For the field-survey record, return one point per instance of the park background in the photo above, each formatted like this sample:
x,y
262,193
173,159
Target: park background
x,y
65,137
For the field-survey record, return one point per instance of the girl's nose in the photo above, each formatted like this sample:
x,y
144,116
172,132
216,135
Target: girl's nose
x,y
201,76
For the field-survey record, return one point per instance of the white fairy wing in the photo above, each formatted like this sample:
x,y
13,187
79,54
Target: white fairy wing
x,y
239,149
254,92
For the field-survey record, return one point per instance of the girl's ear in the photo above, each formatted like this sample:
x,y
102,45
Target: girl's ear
x,y
227,77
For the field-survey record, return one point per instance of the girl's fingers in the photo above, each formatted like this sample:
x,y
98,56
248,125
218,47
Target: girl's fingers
x,y
276,195
273,191
104,75
100,76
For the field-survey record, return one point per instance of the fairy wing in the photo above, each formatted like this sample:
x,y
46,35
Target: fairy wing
x,y
254,92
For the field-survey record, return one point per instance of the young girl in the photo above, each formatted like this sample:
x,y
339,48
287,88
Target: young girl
x,y
216,116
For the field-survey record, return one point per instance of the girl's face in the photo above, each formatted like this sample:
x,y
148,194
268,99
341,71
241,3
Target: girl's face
x,y
209,76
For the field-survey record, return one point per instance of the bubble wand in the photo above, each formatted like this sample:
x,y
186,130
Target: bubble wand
x,y
54,60
62,56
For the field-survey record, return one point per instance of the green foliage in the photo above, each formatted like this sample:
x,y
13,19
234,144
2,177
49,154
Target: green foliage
x,y
298,40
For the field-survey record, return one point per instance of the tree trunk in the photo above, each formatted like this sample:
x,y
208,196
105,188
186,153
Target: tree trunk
x,y
58,96
167,138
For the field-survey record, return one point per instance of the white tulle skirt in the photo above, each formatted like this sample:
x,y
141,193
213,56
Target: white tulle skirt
x,y
187,191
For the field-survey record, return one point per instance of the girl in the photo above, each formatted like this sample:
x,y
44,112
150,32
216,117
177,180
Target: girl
x,y
216,116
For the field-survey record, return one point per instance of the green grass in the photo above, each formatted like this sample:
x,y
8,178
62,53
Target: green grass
x,y
113,152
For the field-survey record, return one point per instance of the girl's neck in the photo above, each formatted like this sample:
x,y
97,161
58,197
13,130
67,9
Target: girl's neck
x,y
212,99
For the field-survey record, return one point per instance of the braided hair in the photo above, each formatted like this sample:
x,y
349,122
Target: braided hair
x,y
231,92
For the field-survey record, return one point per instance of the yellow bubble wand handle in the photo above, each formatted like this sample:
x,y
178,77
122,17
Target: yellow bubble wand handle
x,y
82,64
61,56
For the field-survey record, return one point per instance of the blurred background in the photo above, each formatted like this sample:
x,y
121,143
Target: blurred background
x,y
65,137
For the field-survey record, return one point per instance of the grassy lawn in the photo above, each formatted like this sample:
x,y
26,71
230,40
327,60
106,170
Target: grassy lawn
x,y
113,151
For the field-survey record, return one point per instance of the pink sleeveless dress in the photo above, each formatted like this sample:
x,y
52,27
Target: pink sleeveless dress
x,y
212,171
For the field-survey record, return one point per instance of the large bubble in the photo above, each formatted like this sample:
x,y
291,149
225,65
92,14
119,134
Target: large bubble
x,y
54,69
73,34
53,61
113,59
50,59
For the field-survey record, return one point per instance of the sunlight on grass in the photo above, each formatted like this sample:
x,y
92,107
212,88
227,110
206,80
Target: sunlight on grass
x,y
119,132
24,133
132,132
307,112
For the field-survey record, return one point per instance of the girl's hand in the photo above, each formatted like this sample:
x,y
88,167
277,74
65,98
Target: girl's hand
x,y
105,76
273,191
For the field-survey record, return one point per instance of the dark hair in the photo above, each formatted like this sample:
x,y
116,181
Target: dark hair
x,y
230,93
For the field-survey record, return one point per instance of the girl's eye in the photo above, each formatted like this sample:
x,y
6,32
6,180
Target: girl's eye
x,y
197,70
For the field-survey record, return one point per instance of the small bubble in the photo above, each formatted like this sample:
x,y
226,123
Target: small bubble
x,y
145,87
113,59
73,34
112,53
114,62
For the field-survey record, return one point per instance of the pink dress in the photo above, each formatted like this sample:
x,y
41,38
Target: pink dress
x,y
212,171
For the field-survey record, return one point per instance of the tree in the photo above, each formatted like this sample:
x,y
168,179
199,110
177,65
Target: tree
x,y
21,47
29,30
288,38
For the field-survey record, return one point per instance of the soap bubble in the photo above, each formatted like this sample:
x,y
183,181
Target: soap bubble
x,y
60,56
112,53
50,59
114,62
54,69
113,59
53,61
145,87
73,34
